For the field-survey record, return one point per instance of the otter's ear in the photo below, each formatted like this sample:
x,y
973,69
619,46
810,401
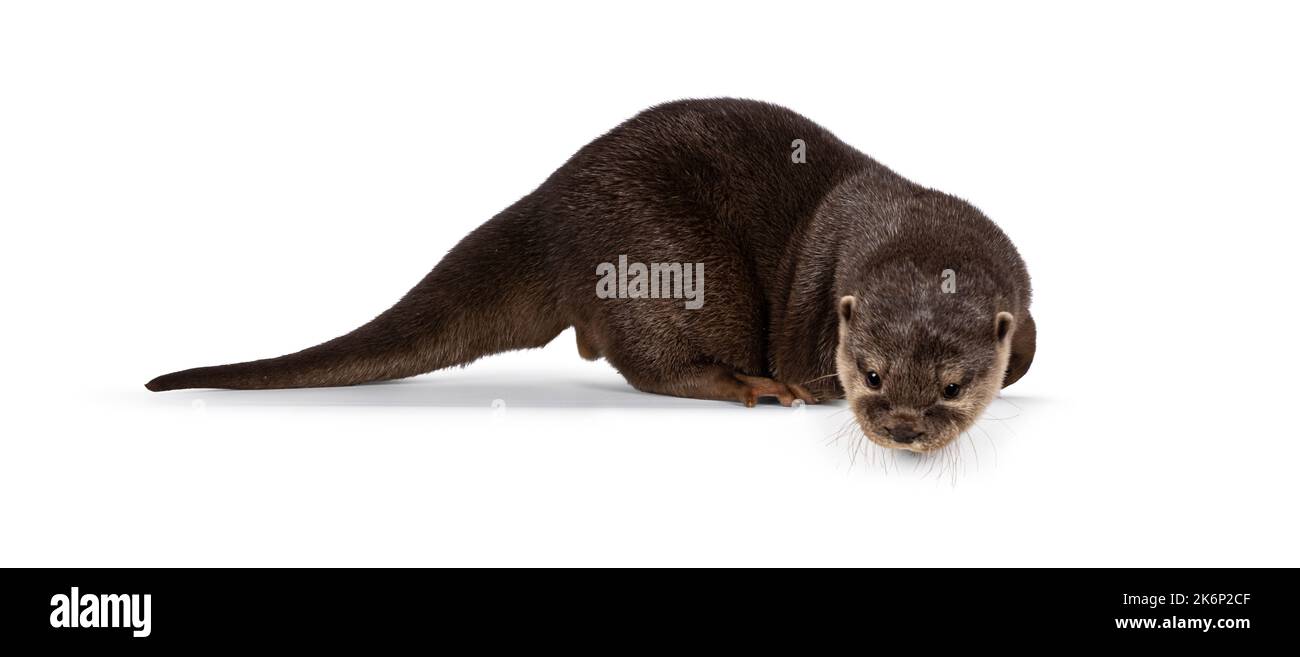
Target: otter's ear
x,y
847,304
1006,325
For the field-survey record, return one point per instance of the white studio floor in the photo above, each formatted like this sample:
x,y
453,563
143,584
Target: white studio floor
x,y
520,459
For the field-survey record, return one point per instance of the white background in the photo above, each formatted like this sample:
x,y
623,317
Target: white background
x,y
188,184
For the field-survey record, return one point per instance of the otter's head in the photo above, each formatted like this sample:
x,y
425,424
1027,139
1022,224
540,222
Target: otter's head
x,y
915,378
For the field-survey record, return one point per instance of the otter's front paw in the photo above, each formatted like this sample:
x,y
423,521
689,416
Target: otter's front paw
x,y
757,387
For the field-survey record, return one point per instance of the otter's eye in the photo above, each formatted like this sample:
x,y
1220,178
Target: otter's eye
x,y
951,391
873,380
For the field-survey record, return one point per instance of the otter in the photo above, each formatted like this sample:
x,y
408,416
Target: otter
x,y
825,276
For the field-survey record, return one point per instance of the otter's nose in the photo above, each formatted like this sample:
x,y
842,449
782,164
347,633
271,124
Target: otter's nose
x,y
903,433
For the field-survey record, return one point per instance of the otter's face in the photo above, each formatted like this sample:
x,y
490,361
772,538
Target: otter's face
x,y
915,382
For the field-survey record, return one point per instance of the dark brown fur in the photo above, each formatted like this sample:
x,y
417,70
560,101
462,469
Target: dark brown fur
x,y
708,181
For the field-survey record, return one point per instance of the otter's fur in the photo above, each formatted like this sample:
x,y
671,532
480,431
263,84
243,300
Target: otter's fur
x,y
783,245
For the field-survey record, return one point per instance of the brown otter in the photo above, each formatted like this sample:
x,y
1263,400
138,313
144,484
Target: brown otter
x,y
828,276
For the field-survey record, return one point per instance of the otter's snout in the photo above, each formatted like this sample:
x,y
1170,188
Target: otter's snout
x,y
903,433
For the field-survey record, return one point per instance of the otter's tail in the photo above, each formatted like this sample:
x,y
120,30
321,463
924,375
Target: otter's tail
x,y
489,294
